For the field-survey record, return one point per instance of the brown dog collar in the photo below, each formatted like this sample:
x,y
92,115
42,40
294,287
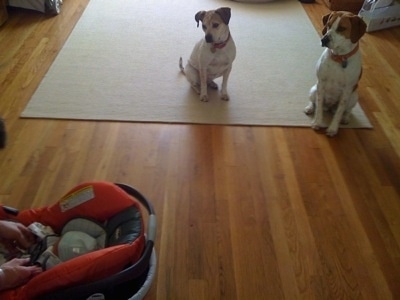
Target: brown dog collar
x,y
342,59
220,45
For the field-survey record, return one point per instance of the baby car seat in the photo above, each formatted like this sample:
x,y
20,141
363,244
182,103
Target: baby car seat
x,y
123,269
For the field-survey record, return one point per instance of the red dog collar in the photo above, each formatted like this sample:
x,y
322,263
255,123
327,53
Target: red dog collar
x,y
342,59
220,45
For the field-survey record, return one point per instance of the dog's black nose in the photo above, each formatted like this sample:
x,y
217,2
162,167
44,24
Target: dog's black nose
x,y
325,41
209,38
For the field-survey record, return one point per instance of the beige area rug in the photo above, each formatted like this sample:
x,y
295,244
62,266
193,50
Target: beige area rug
x,y
121,63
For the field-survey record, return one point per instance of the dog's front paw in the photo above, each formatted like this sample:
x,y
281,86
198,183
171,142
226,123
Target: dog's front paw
x,y
316,125
225,97
331,132
204,98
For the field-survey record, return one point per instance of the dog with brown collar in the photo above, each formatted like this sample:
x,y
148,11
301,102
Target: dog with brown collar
x,y
212,57
338,70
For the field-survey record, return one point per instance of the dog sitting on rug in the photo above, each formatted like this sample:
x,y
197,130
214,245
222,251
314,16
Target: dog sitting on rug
x,y
338,70
212,56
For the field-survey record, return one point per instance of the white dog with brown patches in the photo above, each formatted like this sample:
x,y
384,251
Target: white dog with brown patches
x,y
338,70
212,56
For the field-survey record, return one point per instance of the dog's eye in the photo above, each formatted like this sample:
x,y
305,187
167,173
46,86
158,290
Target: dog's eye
x,y
341,29
204,27
215,25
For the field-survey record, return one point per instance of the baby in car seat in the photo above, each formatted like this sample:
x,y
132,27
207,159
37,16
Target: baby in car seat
x,y
78,237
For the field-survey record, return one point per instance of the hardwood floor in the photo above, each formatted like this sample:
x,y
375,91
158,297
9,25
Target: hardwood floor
x,y
243,212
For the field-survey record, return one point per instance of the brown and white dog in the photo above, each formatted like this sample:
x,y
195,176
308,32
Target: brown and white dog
x,y
338,70
212,56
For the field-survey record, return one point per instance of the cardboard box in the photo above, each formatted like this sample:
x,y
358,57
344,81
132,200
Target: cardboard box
x,y
353,6
377,16
3,11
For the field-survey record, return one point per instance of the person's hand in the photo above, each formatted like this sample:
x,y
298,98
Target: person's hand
x,y
15,273
13,232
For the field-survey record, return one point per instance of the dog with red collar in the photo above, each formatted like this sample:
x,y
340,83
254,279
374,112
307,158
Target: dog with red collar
x,y
212,57
338,70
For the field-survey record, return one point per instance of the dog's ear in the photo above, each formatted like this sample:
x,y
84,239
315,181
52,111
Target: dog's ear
x,y
199,16
325,21
358,28
224,13
326,18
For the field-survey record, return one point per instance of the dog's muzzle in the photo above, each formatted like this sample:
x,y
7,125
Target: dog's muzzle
x,y
325,41
209,38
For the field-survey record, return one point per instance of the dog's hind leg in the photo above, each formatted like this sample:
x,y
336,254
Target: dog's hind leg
x,y
337,117
347,113
319,108
310,108
192,75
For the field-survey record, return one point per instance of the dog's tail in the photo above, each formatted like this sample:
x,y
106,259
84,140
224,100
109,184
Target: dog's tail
x,y
181,65
3,134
